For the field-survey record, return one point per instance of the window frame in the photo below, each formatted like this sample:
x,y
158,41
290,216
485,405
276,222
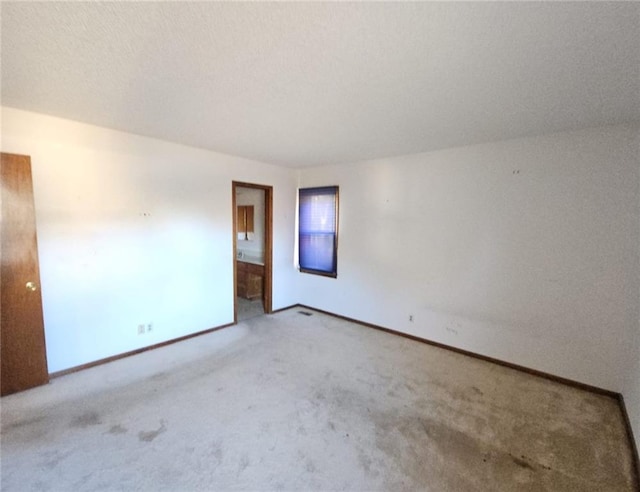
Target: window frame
x,y
336,193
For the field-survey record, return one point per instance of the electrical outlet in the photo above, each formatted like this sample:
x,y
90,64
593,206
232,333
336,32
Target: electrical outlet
x,y
411,318
149,327
140,329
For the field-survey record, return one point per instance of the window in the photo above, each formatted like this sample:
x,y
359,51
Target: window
x,y
318,230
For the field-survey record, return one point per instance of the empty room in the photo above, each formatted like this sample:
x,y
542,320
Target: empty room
x,y
320,246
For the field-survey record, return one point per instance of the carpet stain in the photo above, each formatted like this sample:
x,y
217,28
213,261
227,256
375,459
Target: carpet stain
x,y
310,466
85,420
216,451
365,461
117,429
244,463
41,485
415,443
22,423
148,436
159,376
521,462
82,483
477,391
53,458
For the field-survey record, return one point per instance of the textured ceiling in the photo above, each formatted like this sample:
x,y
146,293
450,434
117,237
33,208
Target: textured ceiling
x,y
301,84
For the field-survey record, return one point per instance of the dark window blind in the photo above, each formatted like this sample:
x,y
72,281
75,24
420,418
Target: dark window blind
x,y
318,229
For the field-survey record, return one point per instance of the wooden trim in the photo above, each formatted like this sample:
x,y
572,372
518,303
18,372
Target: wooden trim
x,y
534,372
135,352
285,308
267,295
634,446
234,212
255,186
268,250
335,246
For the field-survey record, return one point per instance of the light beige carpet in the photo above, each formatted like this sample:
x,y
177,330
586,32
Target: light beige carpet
x,y
249,309
294,402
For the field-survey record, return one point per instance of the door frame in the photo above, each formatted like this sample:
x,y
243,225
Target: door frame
x,y
268,245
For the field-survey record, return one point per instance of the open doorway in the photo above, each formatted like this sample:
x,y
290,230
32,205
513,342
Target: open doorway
x,y
252,248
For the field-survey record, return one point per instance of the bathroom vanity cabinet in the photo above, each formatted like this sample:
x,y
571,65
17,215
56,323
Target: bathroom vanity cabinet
x,y
250,279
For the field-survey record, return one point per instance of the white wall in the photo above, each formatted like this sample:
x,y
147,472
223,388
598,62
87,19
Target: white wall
x,y
523,250
135,230
254,246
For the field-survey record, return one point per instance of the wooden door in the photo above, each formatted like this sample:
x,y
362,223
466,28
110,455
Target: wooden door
x,y
22,345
